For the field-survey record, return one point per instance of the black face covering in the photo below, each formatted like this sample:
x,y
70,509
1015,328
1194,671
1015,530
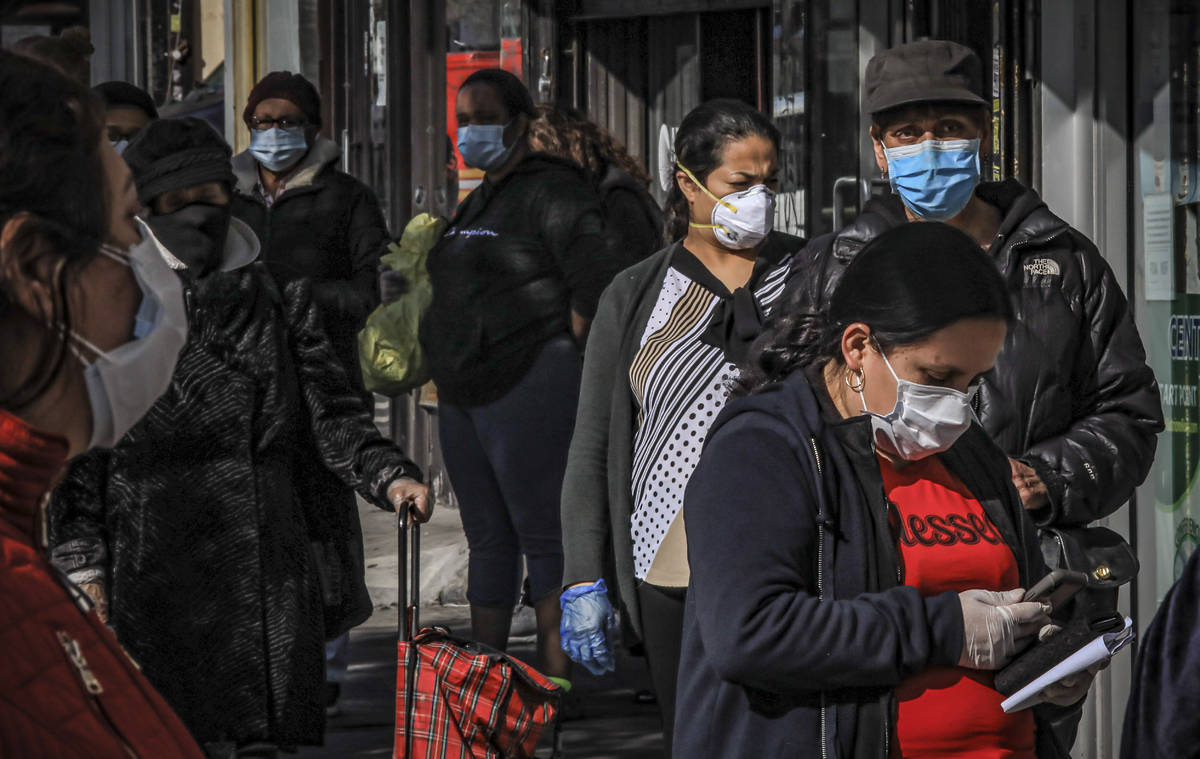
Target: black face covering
x,y
195,235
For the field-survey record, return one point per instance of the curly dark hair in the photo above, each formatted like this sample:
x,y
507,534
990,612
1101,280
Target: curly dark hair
x,y
569,134
905,285
51,129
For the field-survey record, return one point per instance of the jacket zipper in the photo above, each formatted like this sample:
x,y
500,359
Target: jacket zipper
x,y
92,685
820,581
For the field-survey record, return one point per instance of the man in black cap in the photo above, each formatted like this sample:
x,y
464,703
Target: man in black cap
x,y
128,109
1071,399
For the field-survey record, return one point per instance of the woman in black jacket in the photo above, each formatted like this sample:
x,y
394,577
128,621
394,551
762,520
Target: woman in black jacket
x,y
663,350
196,528
516,279
632,213
858,550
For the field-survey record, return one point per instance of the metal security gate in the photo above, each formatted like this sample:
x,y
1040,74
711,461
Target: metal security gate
x,y
635,69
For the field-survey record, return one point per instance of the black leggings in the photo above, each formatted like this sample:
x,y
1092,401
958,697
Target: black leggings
x,y
662,636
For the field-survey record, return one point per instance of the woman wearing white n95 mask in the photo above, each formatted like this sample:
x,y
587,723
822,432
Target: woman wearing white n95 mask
x,y
662,356
858,551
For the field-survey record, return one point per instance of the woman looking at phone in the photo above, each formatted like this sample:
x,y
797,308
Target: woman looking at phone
x,y
858,553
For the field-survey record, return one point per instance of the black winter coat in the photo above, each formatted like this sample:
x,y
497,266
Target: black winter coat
x,y
795,630
198,524
632,215
519,256
326,227
1071,394
1162,717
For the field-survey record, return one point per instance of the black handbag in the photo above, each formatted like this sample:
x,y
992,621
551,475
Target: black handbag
x,y
1104,556
1109,562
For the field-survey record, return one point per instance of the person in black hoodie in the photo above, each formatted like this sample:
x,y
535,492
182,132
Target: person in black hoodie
x,y
858,551
1072,401
516,278
196,528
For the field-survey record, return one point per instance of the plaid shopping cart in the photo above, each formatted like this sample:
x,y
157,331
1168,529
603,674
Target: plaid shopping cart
x,y
458,699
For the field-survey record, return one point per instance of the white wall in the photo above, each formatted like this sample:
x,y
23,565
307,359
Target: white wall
x,y
1085,70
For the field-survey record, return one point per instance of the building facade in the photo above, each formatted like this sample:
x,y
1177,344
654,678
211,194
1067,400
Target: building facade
x,y
1096,104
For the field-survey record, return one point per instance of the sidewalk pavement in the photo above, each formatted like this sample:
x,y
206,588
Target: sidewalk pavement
x,y
612,724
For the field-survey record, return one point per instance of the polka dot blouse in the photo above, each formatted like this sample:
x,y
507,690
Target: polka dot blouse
x,y
680,385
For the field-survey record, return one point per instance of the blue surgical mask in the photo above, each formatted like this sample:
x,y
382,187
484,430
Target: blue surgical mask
x,y
147,314
482,146
935,178
120,145
278,149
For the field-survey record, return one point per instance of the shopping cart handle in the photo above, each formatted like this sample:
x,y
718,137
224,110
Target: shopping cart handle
x,y
409,575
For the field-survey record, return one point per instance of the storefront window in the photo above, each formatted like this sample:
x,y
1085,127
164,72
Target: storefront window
x,y
1168,208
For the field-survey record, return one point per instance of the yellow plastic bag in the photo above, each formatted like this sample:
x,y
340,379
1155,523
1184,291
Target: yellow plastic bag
x,y
389,349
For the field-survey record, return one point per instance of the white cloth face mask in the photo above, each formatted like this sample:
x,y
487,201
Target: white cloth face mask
x,y
742,219
926,419
123,383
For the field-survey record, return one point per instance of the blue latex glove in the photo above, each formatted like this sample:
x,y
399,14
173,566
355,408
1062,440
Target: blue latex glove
x,y
588,623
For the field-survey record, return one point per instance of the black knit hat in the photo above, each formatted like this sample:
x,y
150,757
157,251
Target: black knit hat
x,y
125,94
289,86
923,72
173,154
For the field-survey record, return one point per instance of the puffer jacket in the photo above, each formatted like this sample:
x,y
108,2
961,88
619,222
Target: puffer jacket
x,y
796,630
326,227
67,690
1071,394
632,214
520,255
197,523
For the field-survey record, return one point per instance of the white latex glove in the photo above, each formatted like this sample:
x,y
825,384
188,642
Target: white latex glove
x,y
993,623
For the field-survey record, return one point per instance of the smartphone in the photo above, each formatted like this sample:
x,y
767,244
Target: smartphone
x,y
1057,587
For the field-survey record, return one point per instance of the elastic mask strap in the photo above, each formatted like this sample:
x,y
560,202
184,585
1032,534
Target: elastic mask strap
x,y
706,190
74,339
863,398
108,251
888,364
709,193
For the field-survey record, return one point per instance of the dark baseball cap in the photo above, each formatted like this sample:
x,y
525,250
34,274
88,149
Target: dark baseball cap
x,y
922,72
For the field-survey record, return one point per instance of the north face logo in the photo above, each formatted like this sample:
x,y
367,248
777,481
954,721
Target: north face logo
x,y
1043,267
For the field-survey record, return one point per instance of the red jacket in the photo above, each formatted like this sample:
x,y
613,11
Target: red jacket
x,y
67,689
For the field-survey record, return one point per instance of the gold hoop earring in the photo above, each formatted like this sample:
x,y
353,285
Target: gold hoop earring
x,y
862,380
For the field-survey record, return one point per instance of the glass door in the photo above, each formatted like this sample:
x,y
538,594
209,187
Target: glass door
x,y
821,49
1167,209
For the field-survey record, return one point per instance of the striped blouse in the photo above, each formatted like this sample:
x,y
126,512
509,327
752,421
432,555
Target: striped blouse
x,y
680,381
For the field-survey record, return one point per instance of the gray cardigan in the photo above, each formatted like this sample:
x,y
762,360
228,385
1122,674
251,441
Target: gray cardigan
x,y
597,498
597,501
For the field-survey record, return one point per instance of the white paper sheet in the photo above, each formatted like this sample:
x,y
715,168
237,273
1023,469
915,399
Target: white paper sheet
x,y
1103,647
